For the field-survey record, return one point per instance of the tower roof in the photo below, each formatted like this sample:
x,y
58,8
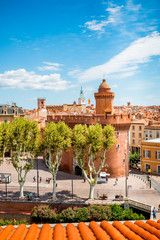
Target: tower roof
x,y
104,87
81,94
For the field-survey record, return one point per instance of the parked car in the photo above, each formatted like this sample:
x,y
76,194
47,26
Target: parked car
x,y
103,177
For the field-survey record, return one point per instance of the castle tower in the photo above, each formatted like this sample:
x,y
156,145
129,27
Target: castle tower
x,y
81,99
104,99
41,103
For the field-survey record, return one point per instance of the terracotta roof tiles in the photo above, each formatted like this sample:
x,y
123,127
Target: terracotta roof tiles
x,y
149,230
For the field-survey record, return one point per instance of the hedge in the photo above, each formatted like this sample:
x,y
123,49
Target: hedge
x,y
49,214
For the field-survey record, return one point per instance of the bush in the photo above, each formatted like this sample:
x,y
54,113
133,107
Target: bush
x,y
118,213
99,213
43,214
5,222
68,215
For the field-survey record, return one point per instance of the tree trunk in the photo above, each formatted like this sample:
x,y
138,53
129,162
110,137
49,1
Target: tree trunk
x,y
54,187
91,193
21,189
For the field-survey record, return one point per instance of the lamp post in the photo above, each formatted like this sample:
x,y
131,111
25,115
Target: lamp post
x,y
37,179
126,176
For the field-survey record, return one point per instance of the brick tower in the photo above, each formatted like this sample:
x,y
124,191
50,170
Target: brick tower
x,y
41,103
104,99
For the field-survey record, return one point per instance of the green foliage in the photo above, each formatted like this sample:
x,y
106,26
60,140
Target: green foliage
x,y
57,136
25,136
5,135
57,139
134,158
118,213
109,139
90,145
42,214
5,222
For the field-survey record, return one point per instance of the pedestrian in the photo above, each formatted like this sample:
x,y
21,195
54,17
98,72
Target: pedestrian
x,y
40,179
30,196
106,179
34,179
154,212
115,182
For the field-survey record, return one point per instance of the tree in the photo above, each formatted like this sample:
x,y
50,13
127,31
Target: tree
x,y
134,158
25,141
5,131
57,139
90,145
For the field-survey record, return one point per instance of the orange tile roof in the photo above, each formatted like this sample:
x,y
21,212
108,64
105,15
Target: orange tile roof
x,y
105,231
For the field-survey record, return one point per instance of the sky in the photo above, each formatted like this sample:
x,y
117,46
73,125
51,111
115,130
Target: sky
x,y
50,49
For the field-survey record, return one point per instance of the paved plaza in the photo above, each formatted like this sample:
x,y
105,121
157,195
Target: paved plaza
x,y
138,190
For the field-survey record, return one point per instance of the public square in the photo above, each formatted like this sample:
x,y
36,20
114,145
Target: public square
x,y
73,188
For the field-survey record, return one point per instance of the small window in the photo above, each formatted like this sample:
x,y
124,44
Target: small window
x,y
118,134
118,146
157,134
133,128
140,128
5,121
133,134
146,134
133,141
140,135
146,153
150,134
157,154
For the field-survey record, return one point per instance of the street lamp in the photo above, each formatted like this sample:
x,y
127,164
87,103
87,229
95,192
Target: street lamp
x,y
37,179
126,176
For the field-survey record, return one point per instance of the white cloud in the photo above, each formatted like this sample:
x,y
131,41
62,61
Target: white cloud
x,y
114,86
114,17
128,61
121,16
95,25
48,66
133,7
53,64
74,72
22,79
16,40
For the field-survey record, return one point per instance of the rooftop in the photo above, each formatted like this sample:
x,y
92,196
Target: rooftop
x,y
156,140
93,231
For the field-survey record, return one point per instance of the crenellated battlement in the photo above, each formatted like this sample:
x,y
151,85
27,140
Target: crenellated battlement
x,y
91,119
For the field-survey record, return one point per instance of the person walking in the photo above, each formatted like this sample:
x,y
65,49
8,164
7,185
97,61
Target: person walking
x,y
154,213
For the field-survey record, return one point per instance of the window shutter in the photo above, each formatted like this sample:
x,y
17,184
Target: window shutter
x,y
156,154
149,154
143,153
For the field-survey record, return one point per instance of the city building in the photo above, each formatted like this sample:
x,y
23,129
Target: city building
x,y
9,112
67,108
137,135
152,130
117,157
150,155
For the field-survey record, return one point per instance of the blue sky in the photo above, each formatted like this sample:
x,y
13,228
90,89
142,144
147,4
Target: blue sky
x,y
51,48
